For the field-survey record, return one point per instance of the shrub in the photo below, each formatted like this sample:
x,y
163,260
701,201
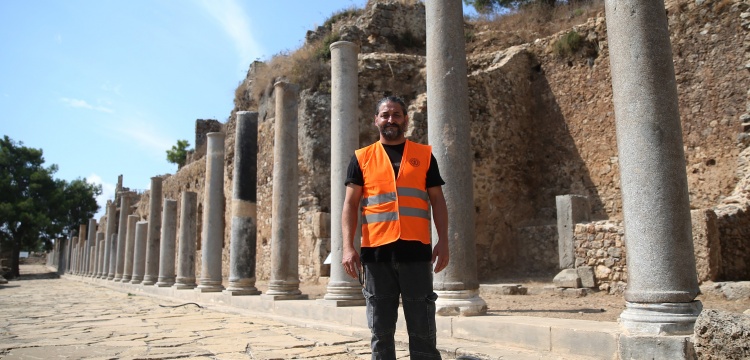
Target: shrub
x,y
568,43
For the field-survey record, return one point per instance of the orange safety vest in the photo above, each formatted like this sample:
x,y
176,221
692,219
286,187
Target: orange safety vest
x,y
394,207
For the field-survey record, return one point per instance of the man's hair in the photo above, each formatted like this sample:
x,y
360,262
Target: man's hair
x,y
391,98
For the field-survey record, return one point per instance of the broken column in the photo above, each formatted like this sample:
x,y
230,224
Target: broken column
x,y
166,276
154,232
244,211
139,252
119,261
449,133
127,273
188,239
662,281
571,209
284,281
212,235
90,245
342,290
108,231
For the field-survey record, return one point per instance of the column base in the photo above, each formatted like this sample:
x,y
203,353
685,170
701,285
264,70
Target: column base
x,y
125,279
110,277
183,286
149,280
209,288
117,278
660,318
344,293
240,292
165,282
136,281
460,302
341,303
275,297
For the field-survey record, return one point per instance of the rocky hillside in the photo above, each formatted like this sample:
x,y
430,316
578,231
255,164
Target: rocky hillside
x,y
542,122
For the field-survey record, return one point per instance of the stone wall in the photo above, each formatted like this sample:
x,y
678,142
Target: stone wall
x,y
601,245
537,250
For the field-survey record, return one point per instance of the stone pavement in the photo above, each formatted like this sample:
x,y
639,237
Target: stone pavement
x,y
43,318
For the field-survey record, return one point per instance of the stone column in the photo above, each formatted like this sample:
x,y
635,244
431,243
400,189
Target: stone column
x,y
62,260
100,254
81,258
212,235
68,254
122,230
244,212
342,290
284,281
109,250
188,239
90,245
662,280
449,133
139,252
127,273
571,209
154,232
167,244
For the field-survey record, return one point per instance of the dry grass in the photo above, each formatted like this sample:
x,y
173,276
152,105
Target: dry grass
x,y
536,20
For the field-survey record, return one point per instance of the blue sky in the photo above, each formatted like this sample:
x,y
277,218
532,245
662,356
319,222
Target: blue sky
x,y
105,87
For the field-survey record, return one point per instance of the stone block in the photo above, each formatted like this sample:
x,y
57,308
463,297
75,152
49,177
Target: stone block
x,y
706,244
568,278
656,347
586,274
322,225
571,209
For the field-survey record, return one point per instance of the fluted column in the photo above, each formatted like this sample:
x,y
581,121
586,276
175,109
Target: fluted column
x,y
244,212
342,290
212,234
109,250
139,252
188,240
284,282
127,273
167,244
449,134
154,232
121,236
660,297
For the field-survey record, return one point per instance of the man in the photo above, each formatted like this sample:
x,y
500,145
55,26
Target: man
x,y
390,183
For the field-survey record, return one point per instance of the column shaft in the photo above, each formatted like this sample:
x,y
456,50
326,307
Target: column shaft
x,y
139,252
154,232
108,231
244,212
662,280
127,273
167,244
342,290
80,259
284,282
100,254
122,231
449,134
90,244
213,216
188,240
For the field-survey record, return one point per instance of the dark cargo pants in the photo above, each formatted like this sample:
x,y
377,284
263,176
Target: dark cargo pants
x,y
384,282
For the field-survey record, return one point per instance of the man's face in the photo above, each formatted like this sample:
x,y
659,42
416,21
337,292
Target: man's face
x,y
391,121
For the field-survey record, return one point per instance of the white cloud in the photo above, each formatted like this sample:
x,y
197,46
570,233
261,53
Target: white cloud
x,y
236,24
76,103
58,38
108,193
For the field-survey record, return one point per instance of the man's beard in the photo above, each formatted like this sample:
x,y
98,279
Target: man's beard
x,y
391,132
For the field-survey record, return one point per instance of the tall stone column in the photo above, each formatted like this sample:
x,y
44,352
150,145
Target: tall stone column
x,y
342,290
90,245
167,244
62,259
127,273
122,231
68,254
212,235
80,259
188,240
244,212
662,280
284,282
109,250
99,254
449,133
139,252
154,232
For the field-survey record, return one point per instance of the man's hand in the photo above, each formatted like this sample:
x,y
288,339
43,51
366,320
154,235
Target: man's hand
x,y
442,254
350,261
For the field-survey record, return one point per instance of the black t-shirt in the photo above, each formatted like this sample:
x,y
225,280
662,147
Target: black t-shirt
x,y
399,250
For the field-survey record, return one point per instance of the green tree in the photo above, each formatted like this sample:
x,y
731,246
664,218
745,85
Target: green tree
x,y
34,207
178,153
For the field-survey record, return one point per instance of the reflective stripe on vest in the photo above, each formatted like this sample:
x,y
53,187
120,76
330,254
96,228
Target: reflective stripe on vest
x,y
394,208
